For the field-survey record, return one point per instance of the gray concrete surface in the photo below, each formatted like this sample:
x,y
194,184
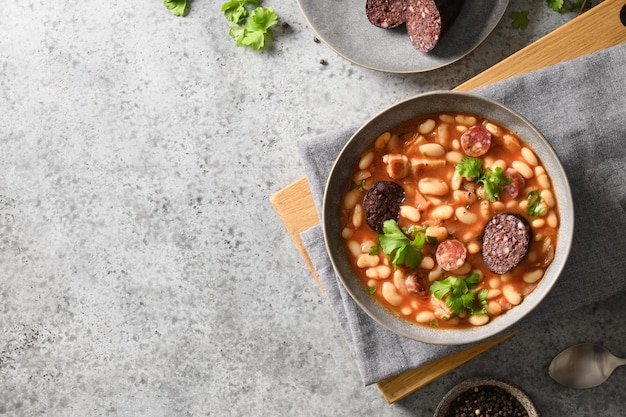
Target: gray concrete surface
x,y
143,270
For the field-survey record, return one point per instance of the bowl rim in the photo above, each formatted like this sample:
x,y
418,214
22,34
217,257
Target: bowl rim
x,y
372,128
524,399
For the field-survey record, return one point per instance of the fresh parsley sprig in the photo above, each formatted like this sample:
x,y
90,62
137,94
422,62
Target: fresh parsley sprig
x,y
250,24
178,7
534,207
493,181
458,294
401,247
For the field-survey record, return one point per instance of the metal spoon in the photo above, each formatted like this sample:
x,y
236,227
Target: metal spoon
x,y
583,366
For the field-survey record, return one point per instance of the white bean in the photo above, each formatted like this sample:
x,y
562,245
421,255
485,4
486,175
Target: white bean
x,y
473,248
438,232
406,310
538,223
435,274
511,295
494,308
378,272
494,283
543,180
347,233
499,163
533,276
523,169
390,294
493,293
446,118
493,129
444,212
465,216
382,141
443,134
454,157
510,142
354,247
432,186
351,198
427,263
426,126
485,209
399,280
410,213
529,156
552,220
465,119
478,319
548,198
365,260
432,150
366,160
358,216
425,317
456,180
361,175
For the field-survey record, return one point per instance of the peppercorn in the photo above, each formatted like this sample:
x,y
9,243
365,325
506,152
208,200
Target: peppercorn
x,y
486,401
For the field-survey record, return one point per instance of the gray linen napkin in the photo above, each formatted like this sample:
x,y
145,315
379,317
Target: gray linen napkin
x,y
580,107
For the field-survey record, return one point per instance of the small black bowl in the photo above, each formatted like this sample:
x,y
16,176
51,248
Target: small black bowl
x,y
512,391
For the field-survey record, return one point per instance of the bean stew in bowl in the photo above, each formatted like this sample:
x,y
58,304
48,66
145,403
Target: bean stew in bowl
x,y
448,217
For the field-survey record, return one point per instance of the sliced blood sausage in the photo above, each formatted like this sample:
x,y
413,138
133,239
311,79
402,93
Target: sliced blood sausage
x,y
451,254
382,202
516,185
476,141
506,239
427,20
416,285
386,14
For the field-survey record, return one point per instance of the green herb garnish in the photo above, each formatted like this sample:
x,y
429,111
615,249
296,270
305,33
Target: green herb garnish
x,y
493,181
534,207
458,295
178,7
249,22
401,247
371,290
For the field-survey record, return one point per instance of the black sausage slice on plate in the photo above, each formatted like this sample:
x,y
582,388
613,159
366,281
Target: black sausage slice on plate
x,y
386,14
427,20
506,239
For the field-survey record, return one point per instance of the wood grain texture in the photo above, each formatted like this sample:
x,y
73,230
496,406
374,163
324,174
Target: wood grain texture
x,y
597,29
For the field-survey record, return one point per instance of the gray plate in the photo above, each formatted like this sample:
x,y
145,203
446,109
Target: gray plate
x,y
343,26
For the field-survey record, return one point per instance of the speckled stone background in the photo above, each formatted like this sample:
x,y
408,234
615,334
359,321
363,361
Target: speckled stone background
x,y
143,270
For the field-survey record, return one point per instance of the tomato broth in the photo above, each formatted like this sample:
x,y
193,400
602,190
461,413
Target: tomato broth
x,y
424,155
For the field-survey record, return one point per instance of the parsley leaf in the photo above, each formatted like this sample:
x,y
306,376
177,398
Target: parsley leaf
x,y
470,167
520,19
399,247
236,10
534,207
371,290
249,26
458,295
555,5
493,181
178,7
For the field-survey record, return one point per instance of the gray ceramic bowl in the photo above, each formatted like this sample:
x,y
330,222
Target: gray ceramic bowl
x,y
515,392
347,160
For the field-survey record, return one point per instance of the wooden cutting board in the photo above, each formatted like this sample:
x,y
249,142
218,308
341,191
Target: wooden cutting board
x,y
601,27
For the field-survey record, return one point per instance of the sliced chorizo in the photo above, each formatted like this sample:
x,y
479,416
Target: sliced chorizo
x,y
476,141
451,254
386,14
382,202
517,184
416,285
506,239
